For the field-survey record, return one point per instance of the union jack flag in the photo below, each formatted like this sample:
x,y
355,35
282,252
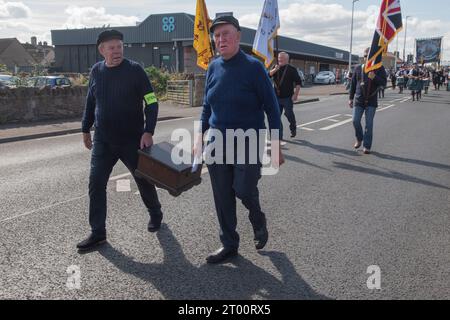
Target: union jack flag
x,y
389,24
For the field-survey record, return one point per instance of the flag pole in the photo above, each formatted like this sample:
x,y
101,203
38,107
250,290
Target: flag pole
x,y
276,49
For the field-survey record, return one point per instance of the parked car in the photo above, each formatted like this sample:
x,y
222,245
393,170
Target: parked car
x,y
52,81
7,80
325,77
302,77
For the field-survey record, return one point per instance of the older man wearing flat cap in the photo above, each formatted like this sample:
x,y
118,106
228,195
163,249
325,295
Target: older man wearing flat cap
x,y
237,95
118,90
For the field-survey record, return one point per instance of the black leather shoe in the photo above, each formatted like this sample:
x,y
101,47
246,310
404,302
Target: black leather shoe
x,y
155,223
221,255
261,237
91,242
293,133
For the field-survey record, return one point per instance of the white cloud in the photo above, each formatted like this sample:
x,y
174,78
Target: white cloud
x,y
80,17
13,10
329,24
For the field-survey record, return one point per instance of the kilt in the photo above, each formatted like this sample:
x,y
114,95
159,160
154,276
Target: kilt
x,y
401,81
414,85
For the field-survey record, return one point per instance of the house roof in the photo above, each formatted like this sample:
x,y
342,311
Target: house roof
x,y
5,43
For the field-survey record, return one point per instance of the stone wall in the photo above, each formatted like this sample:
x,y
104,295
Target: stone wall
x,y
21,105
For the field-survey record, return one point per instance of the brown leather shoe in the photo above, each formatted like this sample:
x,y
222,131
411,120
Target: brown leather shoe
x,y
366,151
357,144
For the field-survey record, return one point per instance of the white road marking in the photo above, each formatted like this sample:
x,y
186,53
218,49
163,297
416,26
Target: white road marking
x,y
307,129
312,122
44,208
123,185
390,106
405,99
336,125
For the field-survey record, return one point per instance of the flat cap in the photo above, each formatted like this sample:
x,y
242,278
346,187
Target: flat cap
x,y
109,35
225,20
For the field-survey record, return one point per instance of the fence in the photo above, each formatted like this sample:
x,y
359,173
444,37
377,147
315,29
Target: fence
x,y
181,92
187,92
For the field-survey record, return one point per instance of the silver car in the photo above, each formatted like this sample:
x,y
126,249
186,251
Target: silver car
x,y
7,80
325,77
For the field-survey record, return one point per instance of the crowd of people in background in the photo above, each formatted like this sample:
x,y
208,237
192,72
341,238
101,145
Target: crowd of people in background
x,y
414,78
418,78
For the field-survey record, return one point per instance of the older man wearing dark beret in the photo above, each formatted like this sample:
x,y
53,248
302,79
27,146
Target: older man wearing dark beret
x,y
238,95
118,88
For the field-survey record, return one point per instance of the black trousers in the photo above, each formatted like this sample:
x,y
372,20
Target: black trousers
x,y
104,157
231,181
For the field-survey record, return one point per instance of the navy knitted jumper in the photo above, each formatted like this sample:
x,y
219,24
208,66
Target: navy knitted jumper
x,y
238,92
115,100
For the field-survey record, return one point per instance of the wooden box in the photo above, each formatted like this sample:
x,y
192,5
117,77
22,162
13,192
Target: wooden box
x,y
156,166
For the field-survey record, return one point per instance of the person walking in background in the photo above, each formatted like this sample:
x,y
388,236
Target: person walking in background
x,y
393,80
363,101
415,83
285,77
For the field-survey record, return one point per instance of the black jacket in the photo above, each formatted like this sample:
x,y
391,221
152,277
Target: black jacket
x,y
363,90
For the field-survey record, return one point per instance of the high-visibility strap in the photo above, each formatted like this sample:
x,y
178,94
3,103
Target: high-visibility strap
x,y
150,98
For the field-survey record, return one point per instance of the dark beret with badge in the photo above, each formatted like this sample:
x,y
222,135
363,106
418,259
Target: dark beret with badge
x,y
109,35
225,20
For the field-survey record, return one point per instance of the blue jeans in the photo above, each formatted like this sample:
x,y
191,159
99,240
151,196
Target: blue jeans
x,y
367,136
287,105
228,183
104,157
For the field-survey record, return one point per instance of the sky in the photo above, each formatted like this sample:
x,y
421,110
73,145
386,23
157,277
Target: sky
x,y
324,22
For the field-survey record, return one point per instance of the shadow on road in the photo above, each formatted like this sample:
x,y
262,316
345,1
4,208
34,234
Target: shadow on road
x,y
389,174
425,100
301,161
324,149
335,151
413,161
177,278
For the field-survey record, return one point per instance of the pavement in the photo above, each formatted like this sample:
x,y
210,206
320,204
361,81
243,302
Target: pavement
x,y
167,111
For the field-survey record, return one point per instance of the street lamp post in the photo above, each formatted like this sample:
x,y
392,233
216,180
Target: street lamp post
x,y
395,57
404,45
351,38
